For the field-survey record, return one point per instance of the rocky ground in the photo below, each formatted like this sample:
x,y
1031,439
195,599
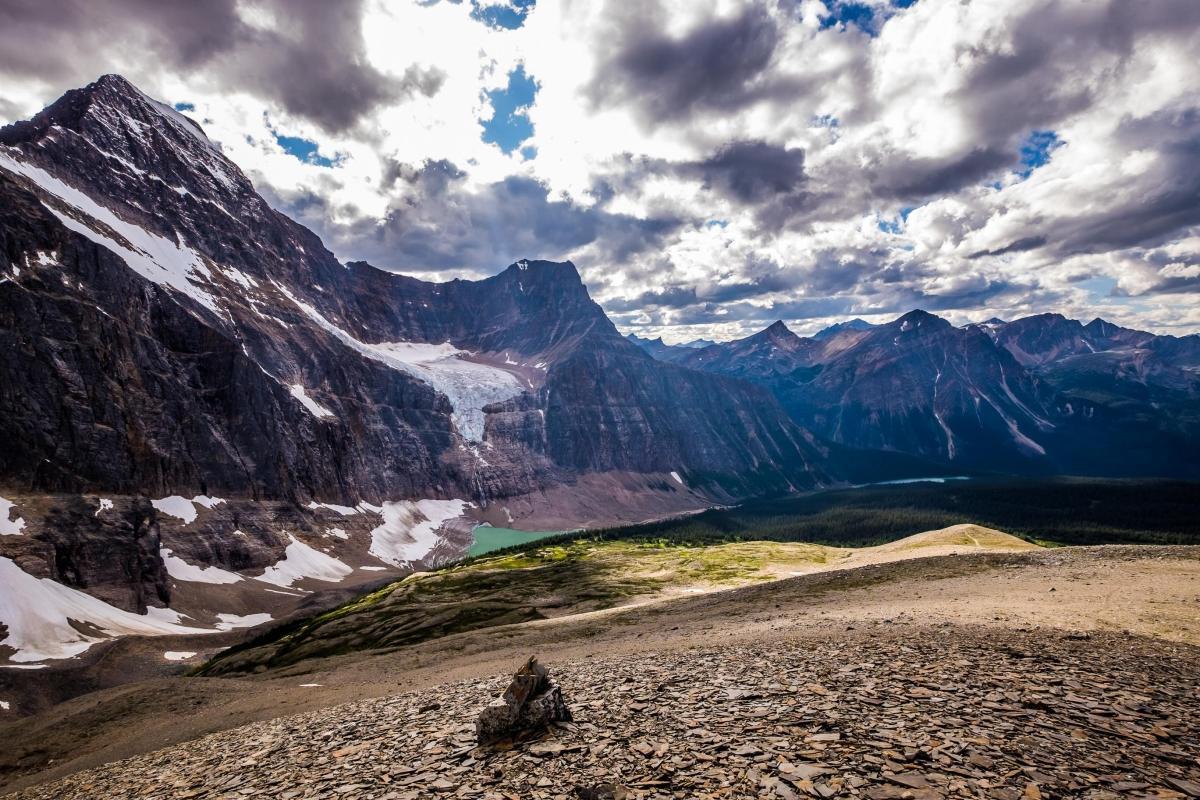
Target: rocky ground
x,y
949,676
876,713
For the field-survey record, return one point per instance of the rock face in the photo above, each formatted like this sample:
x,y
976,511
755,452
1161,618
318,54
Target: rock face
x,y
531,703
164,330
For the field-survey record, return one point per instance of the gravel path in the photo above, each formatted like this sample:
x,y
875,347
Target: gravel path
x,y
875,712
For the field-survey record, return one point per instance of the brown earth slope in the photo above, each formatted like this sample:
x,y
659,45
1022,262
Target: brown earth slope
x,y
970,672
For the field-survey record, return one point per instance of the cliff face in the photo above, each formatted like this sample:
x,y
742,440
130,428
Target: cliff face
x,y
165,331
165,334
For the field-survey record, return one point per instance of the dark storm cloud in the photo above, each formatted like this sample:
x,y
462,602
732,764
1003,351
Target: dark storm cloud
x,y
313,63
720,65
1019,246
441,224
894,177
1148,218
753,171
767,177
1053,62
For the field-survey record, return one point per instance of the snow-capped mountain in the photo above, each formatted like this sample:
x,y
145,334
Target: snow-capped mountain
x,y
168,335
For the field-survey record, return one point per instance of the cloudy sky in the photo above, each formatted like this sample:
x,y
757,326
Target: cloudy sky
x,y
710,165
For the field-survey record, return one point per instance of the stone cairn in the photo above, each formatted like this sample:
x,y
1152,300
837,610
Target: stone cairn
x,y
529,705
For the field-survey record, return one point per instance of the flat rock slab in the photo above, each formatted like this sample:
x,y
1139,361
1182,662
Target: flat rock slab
x,y
918,713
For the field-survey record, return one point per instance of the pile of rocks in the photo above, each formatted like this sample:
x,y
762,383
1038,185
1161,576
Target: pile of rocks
x,y
877,713
530,705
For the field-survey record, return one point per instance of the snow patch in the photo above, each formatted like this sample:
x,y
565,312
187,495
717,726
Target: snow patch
x,y
301,561
316,409
178,655
181,570
39,613
409,529
176,506
337,533
105,505
345,511
239,277
9,527
208,502
4,706
228,622
678,479
183,509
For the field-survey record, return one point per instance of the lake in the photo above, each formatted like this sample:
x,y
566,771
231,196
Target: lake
x,y
488,538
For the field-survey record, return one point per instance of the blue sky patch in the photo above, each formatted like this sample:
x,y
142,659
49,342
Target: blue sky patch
x,y
1036,149
510,125
894,224
185,106
860,15
509,15
303,150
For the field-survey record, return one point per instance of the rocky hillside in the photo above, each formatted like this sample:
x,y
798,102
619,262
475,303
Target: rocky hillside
x,y
943,677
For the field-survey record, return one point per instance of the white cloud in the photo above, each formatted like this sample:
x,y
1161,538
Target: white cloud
x,y
928,115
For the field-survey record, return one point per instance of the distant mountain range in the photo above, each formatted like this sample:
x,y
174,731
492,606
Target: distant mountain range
x,y
1042,394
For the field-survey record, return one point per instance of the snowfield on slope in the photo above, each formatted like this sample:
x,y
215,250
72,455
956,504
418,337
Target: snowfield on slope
x,y
153,257
410,529
181,570
39,612
468,385
301,561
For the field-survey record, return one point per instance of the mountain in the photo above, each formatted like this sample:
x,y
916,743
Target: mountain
x,y
167,334
921,386
772,352
1129,400
1043,338
1039,394
855,324
660,350
132,231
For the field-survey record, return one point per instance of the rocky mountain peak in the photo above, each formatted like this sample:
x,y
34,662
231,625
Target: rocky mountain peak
x,y
124,144
855,324
778,329
545,272
777,335
919,321
1101,327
